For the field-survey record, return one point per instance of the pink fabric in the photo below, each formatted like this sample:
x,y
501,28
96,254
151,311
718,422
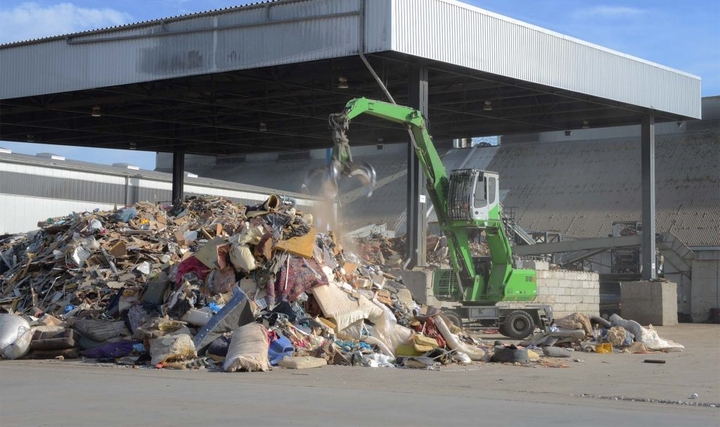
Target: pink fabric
x,y
191,265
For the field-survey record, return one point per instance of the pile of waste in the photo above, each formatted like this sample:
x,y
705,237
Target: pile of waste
x,y
580,332
388,251
211,284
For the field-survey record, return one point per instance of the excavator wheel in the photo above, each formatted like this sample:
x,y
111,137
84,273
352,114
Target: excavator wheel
x,y
503,330
517,325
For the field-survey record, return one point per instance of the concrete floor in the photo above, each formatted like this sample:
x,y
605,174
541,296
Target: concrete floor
x,y
594,392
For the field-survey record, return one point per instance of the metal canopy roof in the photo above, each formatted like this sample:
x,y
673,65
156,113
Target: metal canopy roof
x,y
206,82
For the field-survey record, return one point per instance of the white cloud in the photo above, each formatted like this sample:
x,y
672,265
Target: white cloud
x,y
31,20
608,12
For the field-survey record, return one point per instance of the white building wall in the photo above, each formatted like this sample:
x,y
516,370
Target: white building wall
x,y
21,213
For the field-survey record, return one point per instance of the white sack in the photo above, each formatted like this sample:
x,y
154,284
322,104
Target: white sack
x,y
248,349
172,348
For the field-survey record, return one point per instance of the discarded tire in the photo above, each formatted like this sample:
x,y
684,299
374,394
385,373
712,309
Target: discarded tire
x,y
510,355
518,325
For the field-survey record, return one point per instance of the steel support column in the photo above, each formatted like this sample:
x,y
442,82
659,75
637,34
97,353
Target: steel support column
x,y
416,245
178,175
647,136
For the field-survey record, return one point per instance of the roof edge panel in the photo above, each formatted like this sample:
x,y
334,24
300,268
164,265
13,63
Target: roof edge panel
x,y
510,48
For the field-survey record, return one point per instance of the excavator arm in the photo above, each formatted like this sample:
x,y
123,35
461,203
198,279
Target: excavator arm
x,y
437,180
453,204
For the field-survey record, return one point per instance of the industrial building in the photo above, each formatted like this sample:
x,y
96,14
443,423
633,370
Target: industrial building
x,y
568,187
252,88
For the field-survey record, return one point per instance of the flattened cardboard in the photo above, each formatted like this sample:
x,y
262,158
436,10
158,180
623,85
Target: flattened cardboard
x,y
302,246
207,254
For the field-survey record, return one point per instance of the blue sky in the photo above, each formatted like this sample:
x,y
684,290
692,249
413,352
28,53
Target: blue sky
x,y
679,34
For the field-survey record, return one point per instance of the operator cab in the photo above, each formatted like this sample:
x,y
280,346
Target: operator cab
x,y
474,195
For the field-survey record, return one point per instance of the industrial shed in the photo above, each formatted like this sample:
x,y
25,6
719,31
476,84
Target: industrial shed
x,y
264,77
571,186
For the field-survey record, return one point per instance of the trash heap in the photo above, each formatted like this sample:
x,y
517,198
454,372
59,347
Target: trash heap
x,y
208,283
580,332
381,250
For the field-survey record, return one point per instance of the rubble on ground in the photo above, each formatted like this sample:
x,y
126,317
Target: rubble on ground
x,y
581,332
211,284
214,285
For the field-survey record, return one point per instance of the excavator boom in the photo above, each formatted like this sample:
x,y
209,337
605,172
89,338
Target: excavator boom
x,y
459,208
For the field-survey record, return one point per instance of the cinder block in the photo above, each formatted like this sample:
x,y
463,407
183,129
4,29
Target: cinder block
x,y
567,299
583,292
542,274
548,283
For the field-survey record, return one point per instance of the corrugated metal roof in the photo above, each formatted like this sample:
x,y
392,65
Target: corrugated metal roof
x,y
460,34
264,34
286,32
143,23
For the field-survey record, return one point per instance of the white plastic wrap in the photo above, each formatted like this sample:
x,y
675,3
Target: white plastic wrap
x,y
387,330
455,344
647,336
380,344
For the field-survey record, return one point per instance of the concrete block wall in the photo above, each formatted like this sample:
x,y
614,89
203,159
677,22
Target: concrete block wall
x,y
566,291
569,291
650,302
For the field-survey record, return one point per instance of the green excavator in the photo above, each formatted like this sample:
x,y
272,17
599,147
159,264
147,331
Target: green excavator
x,y
466,202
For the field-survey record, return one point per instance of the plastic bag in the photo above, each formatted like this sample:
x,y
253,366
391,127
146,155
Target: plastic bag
x,y
387,329
124,215
15,336
280,348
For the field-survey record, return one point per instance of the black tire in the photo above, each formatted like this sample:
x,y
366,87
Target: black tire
x,y
503,330
518,324
510,355
453,317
